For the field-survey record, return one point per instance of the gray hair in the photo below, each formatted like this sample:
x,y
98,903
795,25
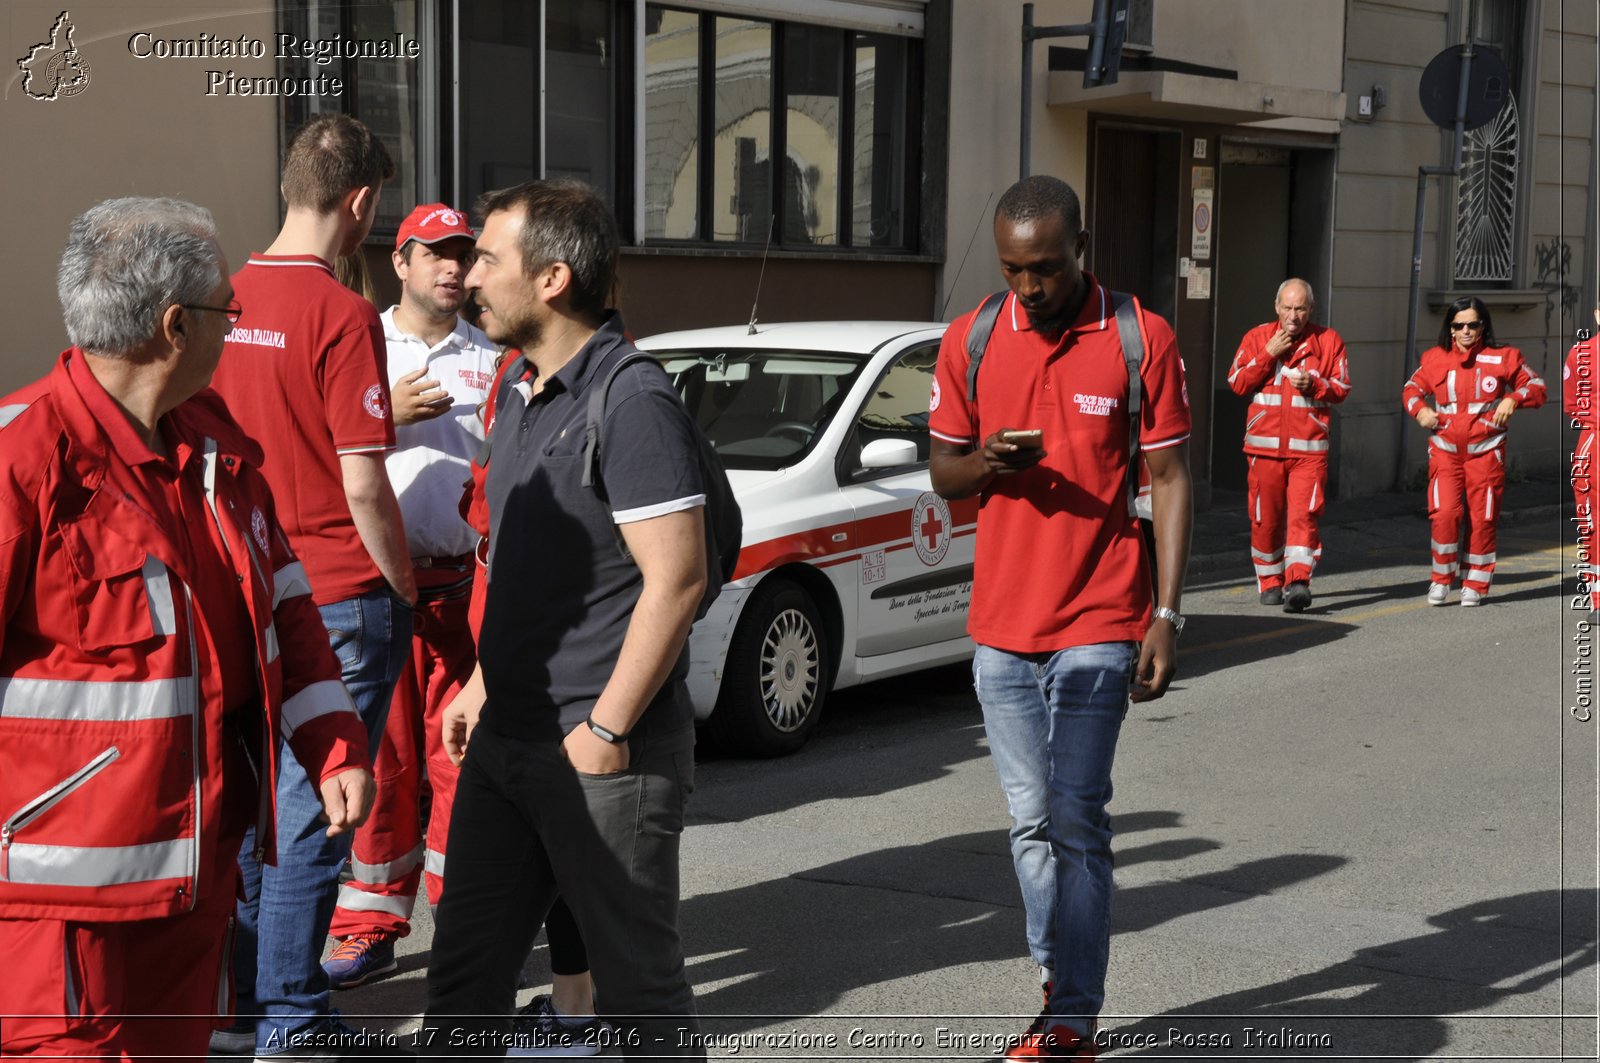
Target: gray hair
x,y
1311,296
129,259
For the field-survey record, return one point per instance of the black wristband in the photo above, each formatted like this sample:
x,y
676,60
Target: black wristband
x,y
605,734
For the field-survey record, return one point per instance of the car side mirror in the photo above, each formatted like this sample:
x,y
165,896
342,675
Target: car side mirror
x,y
888,453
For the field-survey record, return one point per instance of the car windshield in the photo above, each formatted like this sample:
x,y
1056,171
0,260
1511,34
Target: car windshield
x,y
762,409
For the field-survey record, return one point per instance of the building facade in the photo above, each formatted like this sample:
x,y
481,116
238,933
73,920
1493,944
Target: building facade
x,y
843,158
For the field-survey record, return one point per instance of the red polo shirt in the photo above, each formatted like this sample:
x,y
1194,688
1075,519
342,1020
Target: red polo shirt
x,y
305,372
1059,560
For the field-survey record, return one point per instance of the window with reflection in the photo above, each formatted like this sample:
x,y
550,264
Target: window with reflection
x,y
741,193
755,128
672,124
580,93
380,92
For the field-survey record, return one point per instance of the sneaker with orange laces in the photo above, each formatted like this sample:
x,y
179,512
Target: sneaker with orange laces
x,y
1050,1040
359,959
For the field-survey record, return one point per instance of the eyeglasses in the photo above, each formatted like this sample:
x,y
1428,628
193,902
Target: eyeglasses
x,y
1457,326
233,311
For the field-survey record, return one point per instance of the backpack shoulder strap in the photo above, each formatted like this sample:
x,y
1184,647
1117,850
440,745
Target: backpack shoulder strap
x,y
978,338
597,416
1127,311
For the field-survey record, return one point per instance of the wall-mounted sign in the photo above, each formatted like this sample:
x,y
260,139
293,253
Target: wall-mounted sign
x,y
1205,221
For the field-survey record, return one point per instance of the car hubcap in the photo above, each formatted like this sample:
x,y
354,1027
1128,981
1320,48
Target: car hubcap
x,y
789,670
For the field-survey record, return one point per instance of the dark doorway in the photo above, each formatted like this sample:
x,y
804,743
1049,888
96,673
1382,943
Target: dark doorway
x,y
1274,220
1133,221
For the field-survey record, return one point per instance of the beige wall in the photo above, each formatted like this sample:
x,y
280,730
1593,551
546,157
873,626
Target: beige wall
x,y
1389,44
985,118
1274,42
139,127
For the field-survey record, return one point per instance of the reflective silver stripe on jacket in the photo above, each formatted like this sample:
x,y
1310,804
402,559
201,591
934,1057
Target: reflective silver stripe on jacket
x,y
288,582
114,701
12,412
1443,444
318,699
1268,398
1308,445
76,865
1270,442
1302,555
269,639
1445,407
1480,559
1305,403
158,588
1483,445
1443,548
434,864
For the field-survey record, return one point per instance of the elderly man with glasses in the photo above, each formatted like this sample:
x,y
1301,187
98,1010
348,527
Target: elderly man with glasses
x,y
157,637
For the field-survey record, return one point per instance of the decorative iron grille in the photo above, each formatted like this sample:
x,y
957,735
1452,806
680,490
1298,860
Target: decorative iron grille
x,y
1486,199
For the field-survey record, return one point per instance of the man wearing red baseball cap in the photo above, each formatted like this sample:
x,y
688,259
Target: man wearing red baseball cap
x,y
440,370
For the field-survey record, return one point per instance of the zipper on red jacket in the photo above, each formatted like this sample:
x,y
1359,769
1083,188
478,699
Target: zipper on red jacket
x,y
45,802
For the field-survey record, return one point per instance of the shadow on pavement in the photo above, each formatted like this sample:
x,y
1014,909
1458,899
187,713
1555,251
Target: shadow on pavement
x,y
1393,1001
1217,641
868,743
909,910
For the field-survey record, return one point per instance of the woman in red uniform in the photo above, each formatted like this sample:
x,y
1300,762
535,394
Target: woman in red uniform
x,y
1476,384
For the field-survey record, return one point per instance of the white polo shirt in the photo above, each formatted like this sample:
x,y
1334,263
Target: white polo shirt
x,y
432,459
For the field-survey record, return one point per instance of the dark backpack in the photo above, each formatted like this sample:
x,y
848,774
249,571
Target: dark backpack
x,y
723,520
1127,310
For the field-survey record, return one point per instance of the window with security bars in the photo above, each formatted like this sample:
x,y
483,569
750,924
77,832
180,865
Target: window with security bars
x,y
1486,222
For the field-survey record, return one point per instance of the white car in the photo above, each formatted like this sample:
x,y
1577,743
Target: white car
x,y
851,568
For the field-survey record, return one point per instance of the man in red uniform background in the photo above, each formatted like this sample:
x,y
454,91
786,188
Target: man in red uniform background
x,y
1293,370
158,635
440,368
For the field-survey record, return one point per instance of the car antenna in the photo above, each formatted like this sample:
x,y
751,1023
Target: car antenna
x,y
762,275
963,265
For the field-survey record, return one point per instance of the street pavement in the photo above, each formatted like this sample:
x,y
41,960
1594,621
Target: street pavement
x,y
1366,831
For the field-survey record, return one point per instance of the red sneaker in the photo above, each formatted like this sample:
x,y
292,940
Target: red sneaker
x,y
1050,1040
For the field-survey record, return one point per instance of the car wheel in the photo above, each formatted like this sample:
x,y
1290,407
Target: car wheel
x,y
777,674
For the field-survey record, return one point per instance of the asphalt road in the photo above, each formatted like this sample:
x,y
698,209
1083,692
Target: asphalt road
x,y
1365,831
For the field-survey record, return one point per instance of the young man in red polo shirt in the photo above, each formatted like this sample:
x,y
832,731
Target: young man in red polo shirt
x,y
1058,656
306,375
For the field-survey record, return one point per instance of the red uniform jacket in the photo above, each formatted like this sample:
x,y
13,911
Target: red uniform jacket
x,y
1282,422
1465,389
111,749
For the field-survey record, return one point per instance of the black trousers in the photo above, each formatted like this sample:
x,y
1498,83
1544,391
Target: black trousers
x,y
526,827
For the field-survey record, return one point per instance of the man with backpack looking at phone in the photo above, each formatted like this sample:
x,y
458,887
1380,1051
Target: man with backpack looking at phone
x,y
576,729
1075,381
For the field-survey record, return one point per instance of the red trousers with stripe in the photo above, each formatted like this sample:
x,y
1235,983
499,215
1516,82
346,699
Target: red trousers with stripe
x,y
390,854
1481,478
1287,496
148,989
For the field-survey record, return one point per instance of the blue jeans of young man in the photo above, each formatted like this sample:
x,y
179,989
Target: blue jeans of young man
x,y
283,921
1052,720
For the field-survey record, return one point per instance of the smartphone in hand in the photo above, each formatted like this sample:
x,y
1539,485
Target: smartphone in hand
x,y
1029,438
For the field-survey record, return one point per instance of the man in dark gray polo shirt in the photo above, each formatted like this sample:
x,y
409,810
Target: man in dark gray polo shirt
x,y
580,727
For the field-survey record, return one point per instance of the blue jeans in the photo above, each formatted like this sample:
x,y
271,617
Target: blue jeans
x,y
1052,721
283,920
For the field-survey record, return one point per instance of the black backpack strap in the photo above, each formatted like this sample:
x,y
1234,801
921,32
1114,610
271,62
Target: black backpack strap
x,y
1127,310
597,416
978,338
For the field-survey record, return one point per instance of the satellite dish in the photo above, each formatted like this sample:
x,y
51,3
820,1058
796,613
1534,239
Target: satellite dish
x,y
1488,87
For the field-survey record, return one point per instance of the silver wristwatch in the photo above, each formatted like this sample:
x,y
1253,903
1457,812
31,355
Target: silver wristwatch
x,y
1170,615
